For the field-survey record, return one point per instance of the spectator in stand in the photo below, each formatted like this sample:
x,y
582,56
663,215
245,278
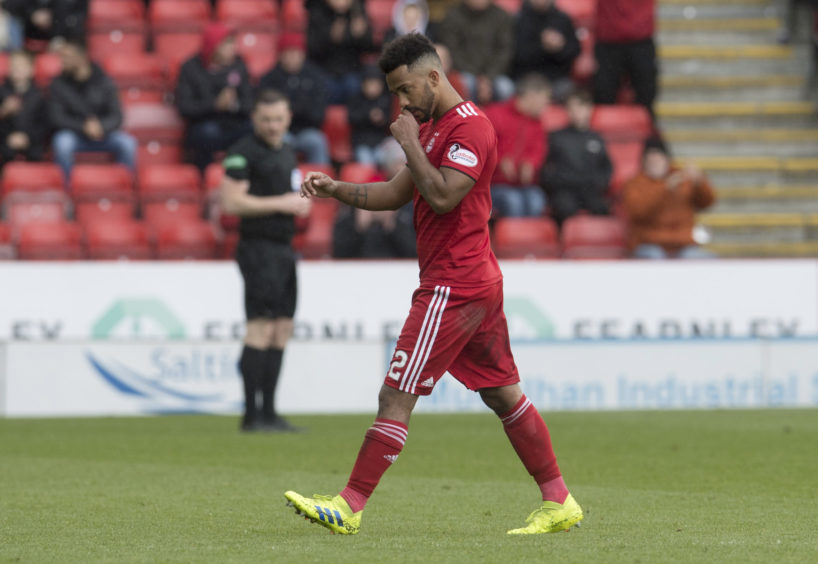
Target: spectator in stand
x,y
360,233
305,85
661,202
83,104
11,25
46,23
577,172
369,115
339,33
22,107
478,34
521,149
545,42
454,77
408,16
625,47
214,95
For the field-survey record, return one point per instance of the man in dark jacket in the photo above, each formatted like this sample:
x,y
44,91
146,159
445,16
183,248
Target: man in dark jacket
x,y
305,85
22,107
84,109
47,20
339,33
369,116
577,171
545,42
214,95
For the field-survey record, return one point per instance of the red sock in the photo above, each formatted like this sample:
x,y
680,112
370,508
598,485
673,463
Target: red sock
x,y
382,444
529,436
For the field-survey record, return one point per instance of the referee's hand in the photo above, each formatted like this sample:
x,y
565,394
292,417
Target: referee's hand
x,y
319,185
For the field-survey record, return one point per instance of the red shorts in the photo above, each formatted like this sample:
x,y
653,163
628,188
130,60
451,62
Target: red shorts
x,y
462,330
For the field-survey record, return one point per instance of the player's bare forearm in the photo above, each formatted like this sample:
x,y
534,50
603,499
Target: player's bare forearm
x,y
374,196
441,188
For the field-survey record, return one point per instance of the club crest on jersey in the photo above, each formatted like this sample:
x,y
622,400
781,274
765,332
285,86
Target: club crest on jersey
x,y
462,156
431,142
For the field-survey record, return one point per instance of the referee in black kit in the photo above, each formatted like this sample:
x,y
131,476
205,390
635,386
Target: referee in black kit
x,y
260,185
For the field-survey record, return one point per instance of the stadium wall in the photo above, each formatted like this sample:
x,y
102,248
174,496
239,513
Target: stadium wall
x,y
130,338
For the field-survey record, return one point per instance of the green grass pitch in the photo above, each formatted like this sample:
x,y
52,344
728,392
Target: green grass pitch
x,y
708,486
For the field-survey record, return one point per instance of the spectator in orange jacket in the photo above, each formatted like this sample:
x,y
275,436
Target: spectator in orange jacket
x,y
521,149
661,202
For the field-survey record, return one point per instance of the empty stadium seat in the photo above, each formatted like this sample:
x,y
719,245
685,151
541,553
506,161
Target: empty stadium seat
x,y
104,43
50,241
212,182
91,182
258,49
136,70
336,128
171,210
626,159
554,117
4,65
32,177
315,167
380,15
119,239
510,6
294,16
107,15
594,237
158,152
247,14
582,12
178,15
153,122
159,182
175,48
22,208
622,122
315,242
103,209
186,240
358,173
525,237
46,67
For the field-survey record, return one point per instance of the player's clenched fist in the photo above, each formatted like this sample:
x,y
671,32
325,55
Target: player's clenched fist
x,y
318,184
405,127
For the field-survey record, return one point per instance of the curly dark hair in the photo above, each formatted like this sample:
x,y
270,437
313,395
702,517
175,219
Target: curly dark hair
x,y
406,50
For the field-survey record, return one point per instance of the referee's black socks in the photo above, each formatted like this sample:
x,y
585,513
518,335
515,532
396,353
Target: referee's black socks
x,y
252,366
269,381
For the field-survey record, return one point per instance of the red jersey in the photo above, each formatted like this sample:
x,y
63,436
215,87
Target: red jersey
x,y
620,21
454,247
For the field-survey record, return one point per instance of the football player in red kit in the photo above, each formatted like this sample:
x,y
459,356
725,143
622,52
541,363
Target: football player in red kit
x,y
456,322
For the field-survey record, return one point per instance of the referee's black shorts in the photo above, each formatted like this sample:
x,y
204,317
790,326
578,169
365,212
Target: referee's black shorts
x,y
270,283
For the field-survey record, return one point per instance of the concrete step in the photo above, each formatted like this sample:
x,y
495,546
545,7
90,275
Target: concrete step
x,y
760,227
767,199
744,149
741,60
735,171
745,135
689,10
748,88
718,31
768,249
730,115
726,52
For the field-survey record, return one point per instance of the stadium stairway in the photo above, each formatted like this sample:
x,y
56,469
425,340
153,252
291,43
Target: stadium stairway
x,y
735,101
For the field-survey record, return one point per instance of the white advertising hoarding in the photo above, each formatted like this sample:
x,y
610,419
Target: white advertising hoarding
x,y
368,300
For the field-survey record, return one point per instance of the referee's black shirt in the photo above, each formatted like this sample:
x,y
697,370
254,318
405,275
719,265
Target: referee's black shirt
x,y
271,172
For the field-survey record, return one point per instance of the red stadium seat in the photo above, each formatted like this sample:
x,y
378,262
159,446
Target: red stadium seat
x,y
178,15
153,122
380,16
104,43
622,122
108,15
4,65
91,182
294,15
21,176
315,167
584,65
157,152
626,159
525,237
358,173
186,240
157,213
594,237
136,70
50,241
46,67
160,182
22,208
510,6
175,48
118,239
212,181
213,178
315,242
248,14
258,49
103,209
554,117
336,128
6,247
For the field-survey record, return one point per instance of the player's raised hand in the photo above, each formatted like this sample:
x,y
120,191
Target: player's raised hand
x,y
405,127
319,185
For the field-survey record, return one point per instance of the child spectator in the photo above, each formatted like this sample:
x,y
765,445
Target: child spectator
x,y
521,149
369,115
661,202
545,42
478,34
83,105
305,85
22,107
11,25
577,171
339,33
214,95
625,48
408,16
